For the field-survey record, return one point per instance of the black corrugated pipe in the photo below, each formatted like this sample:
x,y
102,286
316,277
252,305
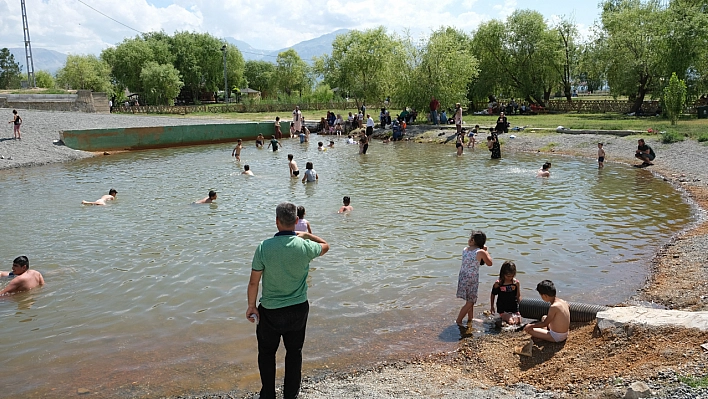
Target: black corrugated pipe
x,y
536,308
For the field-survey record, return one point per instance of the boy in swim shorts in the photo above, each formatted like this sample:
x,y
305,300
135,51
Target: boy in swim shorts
x,y
553,327
600,156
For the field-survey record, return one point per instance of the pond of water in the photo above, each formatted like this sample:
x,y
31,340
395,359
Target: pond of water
x,y
146,296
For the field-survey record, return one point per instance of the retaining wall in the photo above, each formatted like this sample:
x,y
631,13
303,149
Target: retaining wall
x,y
140,138
82,101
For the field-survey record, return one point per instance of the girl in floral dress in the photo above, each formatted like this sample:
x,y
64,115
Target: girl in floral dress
x,y
473,255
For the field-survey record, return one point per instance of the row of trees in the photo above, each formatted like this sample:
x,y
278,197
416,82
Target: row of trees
x,y
636,47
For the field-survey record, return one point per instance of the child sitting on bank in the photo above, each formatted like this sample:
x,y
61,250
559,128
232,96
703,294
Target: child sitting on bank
x,y
507,290
553,327
474,255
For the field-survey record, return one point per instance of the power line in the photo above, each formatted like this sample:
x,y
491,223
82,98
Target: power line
x,y
111,18
129,27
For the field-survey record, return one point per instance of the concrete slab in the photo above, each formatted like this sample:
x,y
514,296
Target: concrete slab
x,y
620,316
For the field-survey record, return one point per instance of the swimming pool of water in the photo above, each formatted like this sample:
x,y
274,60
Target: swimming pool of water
x,y
146,296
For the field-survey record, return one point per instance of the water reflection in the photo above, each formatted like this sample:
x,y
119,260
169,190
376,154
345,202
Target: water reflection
x,y
151,289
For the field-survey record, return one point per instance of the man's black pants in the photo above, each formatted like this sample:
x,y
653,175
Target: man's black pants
x,y
290,323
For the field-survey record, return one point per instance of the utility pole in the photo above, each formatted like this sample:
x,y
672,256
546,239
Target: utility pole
x,y
28,48
226,84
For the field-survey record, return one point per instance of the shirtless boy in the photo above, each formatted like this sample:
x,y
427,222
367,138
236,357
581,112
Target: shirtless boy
x,y
294,171
278,133
208,200
112,193
24,279
555,326
259,141
544,171
237,150
346,207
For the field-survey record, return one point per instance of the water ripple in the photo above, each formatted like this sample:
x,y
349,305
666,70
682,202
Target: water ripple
x,y
138,281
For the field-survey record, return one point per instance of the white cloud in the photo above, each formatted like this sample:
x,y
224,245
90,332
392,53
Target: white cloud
x,y
71,27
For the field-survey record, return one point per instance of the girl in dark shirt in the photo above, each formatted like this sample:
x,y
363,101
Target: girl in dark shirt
x,y
508,292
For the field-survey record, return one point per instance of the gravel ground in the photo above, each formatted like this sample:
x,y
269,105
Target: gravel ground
x,y
40,132
679,279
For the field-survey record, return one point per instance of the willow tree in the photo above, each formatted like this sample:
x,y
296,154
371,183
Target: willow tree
x,y
441,66
520,57
633,32
362,64
85,72
291,73
129,58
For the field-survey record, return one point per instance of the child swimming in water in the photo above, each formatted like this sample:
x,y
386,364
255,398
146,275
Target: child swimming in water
x,y
302,223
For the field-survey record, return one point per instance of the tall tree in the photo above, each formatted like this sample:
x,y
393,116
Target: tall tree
x,y
260,75
568,35
520,56
129,58
361,64
687,46
633,33
9,70
291,72
199,58
442,66
85,72
161,83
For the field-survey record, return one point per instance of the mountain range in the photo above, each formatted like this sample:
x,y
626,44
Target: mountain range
x,y
51,61
306,50
42,59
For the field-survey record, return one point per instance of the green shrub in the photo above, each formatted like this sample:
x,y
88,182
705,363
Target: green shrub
x,y
671,137
695,382
702,137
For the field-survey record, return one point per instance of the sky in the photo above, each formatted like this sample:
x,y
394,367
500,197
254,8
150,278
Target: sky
x,y
78,27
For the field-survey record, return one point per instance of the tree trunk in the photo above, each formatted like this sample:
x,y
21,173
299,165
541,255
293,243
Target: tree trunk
x,y
641,92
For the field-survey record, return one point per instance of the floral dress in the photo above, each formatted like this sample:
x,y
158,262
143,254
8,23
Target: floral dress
x,y
468,280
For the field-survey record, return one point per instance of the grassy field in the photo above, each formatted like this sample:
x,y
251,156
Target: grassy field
x,y
688,126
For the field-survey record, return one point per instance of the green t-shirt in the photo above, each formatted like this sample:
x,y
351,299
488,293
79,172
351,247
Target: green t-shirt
x,y
285,263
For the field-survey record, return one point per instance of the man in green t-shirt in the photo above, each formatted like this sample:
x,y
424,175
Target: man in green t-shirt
x,y
282,262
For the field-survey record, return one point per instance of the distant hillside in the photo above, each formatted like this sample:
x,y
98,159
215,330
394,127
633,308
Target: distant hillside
x,y
43,59
52,61
306,50
249,53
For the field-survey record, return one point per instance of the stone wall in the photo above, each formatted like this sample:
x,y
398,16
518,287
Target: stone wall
x,y
82,101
